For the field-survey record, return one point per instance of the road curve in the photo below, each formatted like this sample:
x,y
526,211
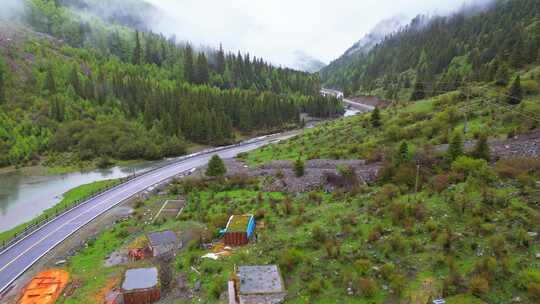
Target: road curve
x,y
338,94
15,260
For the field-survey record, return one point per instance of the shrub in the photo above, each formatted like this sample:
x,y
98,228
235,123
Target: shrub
x,y
398,283
299,168
366,287
478,286
533,292
513,167
472,167
374,235
290,258
362,266
440,182
216,167
481,149
315,286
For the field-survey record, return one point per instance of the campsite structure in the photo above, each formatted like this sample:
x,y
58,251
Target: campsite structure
x,y
257,285
239,230
163,242
141,286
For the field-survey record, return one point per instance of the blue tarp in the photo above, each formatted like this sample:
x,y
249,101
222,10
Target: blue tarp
x,y
250,226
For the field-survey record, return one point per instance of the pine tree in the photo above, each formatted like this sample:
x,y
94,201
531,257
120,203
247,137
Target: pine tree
x,y
189,66
220,60
481,149
137,52
455,149
216,167
403,154
50,83
203,75
376,118
75,81
299,168
516,92
419,91
502,75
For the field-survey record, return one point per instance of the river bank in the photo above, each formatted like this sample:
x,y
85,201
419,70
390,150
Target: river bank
x,y
68,199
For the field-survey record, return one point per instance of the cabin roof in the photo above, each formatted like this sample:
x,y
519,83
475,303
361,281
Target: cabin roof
x,y
161,238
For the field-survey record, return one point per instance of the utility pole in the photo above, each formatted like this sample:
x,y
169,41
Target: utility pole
x,y
417,177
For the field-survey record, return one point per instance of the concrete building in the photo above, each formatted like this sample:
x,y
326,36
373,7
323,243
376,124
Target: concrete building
x,y
163,242
257,285
141,286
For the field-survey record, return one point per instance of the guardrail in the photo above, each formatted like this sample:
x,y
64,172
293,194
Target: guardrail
x,y
33,227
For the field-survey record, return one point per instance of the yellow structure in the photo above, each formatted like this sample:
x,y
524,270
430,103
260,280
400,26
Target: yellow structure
x,y
45,287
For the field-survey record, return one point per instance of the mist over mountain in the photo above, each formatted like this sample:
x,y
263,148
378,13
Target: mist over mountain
x,y
137,14
377,34
307,63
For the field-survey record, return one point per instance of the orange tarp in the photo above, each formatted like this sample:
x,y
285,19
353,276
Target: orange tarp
x,y
45,287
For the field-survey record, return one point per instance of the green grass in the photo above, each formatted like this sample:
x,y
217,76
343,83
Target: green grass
x,y
69,198
430,121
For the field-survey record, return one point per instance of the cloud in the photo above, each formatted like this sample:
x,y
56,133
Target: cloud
x,y
11,9
276,29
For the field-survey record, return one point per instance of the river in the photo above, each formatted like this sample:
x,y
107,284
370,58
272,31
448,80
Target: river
x,y
26,193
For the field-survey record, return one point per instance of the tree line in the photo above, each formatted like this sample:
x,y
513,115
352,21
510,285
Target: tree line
x,y
441,53
109,91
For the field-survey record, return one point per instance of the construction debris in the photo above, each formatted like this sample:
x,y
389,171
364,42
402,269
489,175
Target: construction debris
x,y
45,287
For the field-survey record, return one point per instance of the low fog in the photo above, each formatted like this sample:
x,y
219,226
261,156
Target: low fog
x,y
279,29
284,32
11,9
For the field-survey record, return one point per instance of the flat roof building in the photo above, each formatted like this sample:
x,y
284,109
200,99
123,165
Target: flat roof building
x,y
141,286
259,285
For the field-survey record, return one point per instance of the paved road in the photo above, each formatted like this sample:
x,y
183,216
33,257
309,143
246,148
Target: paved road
x,y
360,106
338,94
15,260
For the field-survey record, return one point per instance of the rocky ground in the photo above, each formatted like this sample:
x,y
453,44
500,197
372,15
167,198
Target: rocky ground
x,y
319,174
523,145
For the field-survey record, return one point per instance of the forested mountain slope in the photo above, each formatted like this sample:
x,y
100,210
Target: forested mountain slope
x,y
74,84
441,53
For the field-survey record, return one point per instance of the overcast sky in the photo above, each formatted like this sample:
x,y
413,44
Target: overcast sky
x,y
276,29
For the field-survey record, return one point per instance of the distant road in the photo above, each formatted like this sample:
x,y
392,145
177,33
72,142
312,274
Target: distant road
x,y
338,94
15,260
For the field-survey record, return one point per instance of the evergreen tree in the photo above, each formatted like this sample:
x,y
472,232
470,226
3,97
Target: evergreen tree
x,y
220,60
419,91
189,66
299,168
75,81
516,92
50,83
137,51
403,153
481,149
502,76
455,148
216,167
376,118
203,75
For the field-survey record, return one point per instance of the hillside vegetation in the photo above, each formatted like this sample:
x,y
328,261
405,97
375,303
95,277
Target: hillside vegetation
x,y
74,85
444,53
